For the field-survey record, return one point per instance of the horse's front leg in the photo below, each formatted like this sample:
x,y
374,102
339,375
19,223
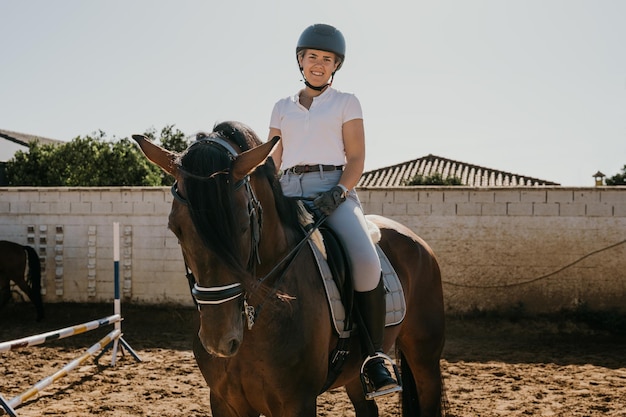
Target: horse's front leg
x,y
34,298
362,406
224,408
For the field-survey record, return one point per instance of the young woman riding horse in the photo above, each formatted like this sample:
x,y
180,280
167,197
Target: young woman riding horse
x,y
322,153
265,333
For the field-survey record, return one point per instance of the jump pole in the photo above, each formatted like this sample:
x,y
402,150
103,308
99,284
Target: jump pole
x,y
5,405
57,334
35,389
117,305
109,340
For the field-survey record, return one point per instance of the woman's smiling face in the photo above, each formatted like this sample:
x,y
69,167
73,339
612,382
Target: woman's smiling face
x,y
318,66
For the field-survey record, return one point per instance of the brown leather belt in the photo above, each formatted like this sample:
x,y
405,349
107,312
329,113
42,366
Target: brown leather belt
x,y
303,169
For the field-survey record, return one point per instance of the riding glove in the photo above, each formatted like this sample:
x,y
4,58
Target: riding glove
x,y
328,201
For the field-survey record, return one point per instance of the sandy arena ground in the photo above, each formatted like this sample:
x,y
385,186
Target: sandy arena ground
x,y
492,367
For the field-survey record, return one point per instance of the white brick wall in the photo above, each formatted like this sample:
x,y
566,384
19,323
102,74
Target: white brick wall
x,y
151,270
543,248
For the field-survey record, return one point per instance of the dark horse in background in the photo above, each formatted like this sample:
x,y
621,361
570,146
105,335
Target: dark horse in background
x,y
14,258
235,229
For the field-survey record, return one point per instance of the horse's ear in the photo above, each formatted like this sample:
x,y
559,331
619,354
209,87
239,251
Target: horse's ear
x,y
247,161
160,156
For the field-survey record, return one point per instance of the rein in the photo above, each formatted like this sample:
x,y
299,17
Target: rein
x,y
250,311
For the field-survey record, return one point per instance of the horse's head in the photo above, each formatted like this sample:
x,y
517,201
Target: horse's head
x,y
216,217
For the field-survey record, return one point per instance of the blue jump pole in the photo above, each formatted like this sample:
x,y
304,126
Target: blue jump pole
x,y
117,305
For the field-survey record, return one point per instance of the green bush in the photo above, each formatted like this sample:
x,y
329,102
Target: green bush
x,y
617,179
435,179
91,161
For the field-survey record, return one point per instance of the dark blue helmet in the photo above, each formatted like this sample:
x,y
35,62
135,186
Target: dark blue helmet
x,y
324,38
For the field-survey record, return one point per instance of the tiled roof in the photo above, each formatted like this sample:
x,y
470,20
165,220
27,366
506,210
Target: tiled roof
x,y
24,139
469,174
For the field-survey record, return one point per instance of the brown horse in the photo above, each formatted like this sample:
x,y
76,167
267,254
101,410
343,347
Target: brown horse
x,y
237,232
13,261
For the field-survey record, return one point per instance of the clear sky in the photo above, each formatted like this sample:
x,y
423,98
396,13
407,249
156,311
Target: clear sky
x,y
534,87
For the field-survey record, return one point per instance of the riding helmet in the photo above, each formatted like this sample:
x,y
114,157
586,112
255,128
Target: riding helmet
x,y
324,38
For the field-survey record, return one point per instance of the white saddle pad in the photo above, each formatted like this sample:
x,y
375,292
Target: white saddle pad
x,y
394,295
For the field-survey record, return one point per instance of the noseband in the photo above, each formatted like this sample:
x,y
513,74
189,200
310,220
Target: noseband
x,y
223,294
216,295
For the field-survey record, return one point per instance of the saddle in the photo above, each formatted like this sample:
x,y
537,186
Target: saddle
x,y
333,265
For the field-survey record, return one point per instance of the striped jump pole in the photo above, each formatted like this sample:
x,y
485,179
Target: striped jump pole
x,y
35,389
5,405
57,334
117,305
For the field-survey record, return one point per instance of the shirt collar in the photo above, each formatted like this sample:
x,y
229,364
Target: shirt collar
x,y
325,94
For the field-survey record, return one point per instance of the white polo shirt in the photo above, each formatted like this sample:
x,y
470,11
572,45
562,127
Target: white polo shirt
x,y
314,136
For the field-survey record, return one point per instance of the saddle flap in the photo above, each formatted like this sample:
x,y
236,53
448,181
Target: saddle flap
x,y
395,302
394,294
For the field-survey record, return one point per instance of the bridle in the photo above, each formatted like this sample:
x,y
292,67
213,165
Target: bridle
x,y
222,294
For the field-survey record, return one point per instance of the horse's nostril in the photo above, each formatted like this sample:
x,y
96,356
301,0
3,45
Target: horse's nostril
x,y
234,346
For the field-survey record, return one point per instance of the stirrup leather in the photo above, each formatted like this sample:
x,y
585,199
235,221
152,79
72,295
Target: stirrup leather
x,y
368,387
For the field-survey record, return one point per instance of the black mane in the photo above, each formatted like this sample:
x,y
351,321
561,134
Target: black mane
x,y
209,189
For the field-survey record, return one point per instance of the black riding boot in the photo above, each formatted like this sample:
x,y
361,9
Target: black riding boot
x,y
371,305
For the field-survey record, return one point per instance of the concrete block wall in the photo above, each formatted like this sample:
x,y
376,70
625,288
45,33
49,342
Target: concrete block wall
x,y
80,267
541,249
544,249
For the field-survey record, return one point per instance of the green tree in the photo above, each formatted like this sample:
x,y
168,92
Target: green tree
x,y
617,179
434,179
90,161
25,168
173,140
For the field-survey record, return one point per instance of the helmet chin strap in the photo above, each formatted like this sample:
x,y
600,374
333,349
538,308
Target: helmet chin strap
x,y
312,87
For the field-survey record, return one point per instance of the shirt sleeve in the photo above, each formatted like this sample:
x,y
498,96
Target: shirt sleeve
x,y
275,118
353,109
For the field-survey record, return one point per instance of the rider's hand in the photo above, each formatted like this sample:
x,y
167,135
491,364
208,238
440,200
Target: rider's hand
x,y
329,200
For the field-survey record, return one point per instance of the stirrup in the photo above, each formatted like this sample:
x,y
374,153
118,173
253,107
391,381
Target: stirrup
x,y
368,387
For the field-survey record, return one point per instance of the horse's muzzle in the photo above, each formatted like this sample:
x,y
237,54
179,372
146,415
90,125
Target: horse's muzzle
x,y
221,328
224,347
